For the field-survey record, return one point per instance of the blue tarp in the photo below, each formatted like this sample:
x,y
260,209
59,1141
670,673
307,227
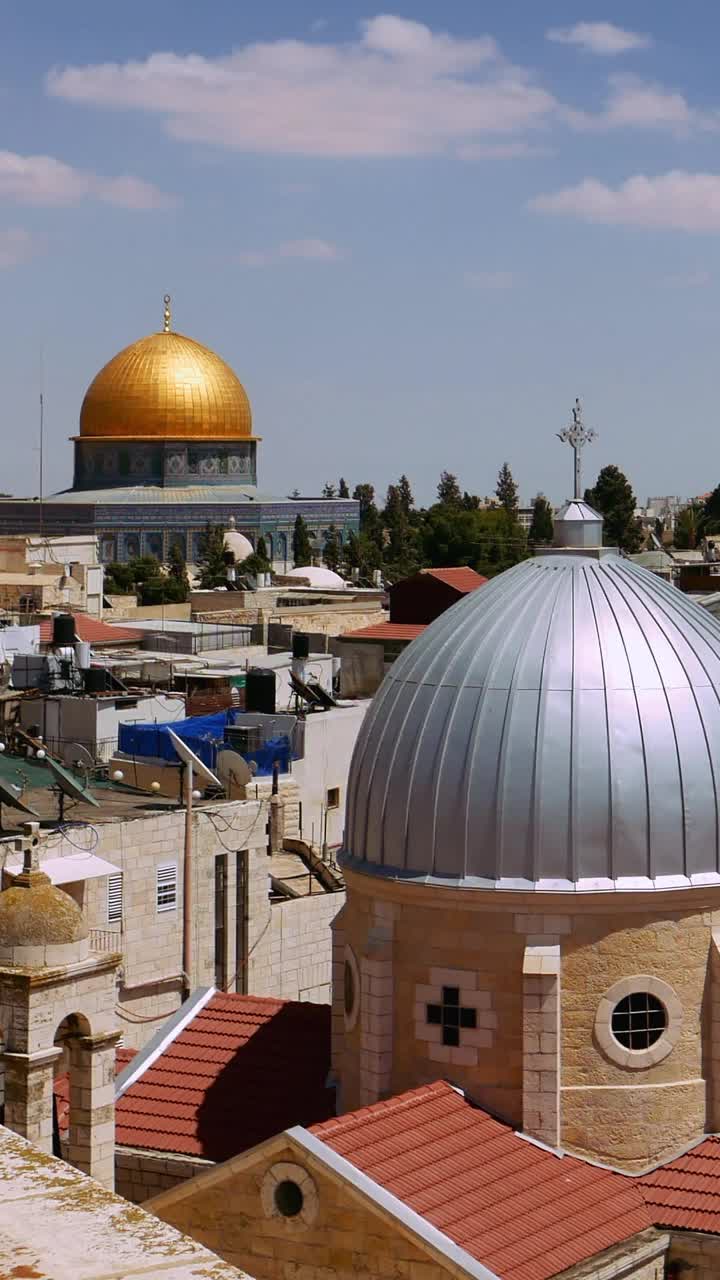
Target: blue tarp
x,y
205,735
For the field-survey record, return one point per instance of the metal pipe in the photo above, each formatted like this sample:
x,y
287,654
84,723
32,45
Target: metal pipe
x,y
187,886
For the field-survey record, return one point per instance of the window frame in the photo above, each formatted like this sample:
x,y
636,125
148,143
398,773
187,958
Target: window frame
x,y
162,908
332,804
115,890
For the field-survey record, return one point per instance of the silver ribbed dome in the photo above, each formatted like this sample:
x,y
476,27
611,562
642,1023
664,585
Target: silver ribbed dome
x,y
558,728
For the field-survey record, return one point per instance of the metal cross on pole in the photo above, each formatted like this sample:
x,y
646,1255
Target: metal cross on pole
x,y
577,436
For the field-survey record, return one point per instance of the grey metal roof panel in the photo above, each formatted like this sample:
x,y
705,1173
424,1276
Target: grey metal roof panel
x,y
560,726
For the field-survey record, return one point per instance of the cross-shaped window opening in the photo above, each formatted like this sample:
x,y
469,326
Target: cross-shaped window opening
x,y
451,1016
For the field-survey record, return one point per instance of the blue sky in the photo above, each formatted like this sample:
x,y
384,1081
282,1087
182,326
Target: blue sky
x,y
416,233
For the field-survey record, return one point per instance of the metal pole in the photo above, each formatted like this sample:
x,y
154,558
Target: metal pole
x,y
187,886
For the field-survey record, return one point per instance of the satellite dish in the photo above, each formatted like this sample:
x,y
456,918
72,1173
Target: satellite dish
x,y
232,768
8,796
69,786
188,757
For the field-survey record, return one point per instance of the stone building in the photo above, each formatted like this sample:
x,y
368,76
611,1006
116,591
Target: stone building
x,y
526,992
165,446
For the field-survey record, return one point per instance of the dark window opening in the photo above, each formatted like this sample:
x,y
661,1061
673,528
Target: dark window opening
x,y
639,1020
451,1016
289,1199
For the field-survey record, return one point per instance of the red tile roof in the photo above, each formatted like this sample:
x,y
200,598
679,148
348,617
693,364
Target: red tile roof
x,y
462,579
685,1193
386,631
522,1211
244,1069
93,631
61,1088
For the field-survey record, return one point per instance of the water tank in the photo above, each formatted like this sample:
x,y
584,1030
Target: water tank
x,y
63,629
260,690
244,738
82,654
300,645
95,680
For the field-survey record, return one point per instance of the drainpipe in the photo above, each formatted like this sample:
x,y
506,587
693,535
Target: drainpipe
x,y
187,886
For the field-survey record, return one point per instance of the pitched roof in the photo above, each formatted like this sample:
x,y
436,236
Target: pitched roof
x,y
93,631
386,631
517,1208
685,1193
244,1069
462,579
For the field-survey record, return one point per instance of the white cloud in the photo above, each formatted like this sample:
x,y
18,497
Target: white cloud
x,y
399,89
306,250
17,246
639,104
677,200
42,180
493,280
600,37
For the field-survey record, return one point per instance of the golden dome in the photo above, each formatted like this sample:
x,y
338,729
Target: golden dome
x,y
166,387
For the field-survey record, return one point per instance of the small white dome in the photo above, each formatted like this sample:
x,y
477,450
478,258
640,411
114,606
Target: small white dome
x,y
240,546
318,576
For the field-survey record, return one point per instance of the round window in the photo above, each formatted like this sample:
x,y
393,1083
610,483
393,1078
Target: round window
x,y
639,1020
289,1198
349,989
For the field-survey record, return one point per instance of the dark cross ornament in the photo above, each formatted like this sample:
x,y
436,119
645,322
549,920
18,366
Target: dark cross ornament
x,y
451,1016
577,436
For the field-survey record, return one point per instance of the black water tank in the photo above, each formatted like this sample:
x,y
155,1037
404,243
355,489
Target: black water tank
x,y
63,629
260,690
300,645
95,680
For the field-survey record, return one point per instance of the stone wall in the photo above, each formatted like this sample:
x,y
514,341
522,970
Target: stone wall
x,y
293,958
696,1256
623,1110
151,941
141,1174
345,1239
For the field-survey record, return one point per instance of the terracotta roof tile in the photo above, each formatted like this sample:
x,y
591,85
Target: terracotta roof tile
x,y
686,1192
386,631
462,579
522,1211
244,1069
93,631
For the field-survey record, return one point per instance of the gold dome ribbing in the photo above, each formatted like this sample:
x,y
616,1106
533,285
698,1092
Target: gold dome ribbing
x,y
166,386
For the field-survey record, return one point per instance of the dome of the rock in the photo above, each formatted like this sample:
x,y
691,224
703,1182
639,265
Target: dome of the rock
x,y
166,386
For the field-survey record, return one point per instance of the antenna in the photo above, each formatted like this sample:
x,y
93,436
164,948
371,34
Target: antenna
x,y
193,767
68,786
42,440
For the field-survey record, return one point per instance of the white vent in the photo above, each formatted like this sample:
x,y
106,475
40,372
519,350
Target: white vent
x,y
167,886
115,898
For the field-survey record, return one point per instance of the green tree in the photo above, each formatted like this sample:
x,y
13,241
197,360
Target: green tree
x,y
213,561
302,552
261,553
448,490
329,491
400,550
143,567
686,527
541,527
177,572
470,501
709,518
343,490
163,589
507,492
613,497
365,495
119,580
332,549
405,495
